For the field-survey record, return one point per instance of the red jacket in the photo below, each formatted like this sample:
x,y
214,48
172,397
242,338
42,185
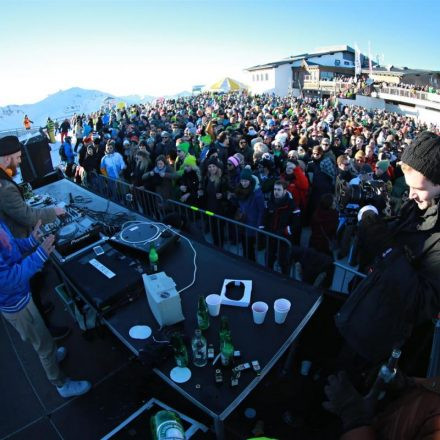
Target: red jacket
x,y
298,187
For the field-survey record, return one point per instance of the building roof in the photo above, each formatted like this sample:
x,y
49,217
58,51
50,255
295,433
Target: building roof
x,y
319,51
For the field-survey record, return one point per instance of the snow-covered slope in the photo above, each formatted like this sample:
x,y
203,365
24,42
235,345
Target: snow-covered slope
x,y
61,104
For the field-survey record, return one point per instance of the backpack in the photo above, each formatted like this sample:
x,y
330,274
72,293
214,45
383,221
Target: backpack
x,y
62,153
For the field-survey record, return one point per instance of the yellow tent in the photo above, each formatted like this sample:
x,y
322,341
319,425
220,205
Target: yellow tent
x,y
226,85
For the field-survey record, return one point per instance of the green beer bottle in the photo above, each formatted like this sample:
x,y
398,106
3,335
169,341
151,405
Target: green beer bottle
x,y
202,314
166,425
226,350
180,352
154,258
224,328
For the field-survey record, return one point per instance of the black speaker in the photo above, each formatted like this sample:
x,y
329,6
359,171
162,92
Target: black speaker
x,y
36,161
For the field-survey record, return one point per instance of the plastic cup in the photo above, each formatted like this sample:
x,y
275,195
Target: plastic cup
x,y
259,310
281,307
213,302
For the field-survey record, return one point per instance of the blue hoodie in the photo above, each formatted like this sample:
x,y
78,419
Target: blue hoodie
x,y
16,271
68,151
253,207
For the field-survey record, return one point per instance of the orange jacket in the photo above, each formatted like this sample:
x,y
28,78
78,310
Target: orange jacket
x,y
27,123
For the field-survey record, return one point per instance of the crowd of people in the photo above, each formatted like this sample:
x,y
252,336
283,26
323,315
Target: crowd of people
x,y
271,163
279,164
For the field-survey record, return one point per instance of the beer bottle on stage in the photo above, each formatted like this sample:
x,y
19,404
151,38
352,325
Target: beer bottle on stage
x,y
166,425
224,328
385,375
202,314
154,258
180,352
199,349
226,350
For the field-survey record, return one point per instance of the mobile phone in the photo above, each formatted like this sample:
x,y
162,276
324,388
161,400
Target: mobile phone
x,y
98,250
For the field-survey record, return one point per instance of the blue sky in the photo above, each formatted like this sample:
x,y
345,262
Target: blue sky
x,y
162,47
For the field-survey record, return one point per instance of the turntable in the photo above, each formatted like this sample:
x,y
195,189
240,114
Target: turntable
x,y
138,237
68,231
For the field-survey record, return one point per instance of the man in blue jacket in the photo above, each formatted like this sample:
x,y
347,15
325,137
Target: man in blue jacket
x,y
17,306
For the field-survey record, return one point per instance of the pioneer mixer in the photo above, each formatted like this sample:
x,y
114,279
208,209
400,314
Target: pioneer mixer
x,y
73,231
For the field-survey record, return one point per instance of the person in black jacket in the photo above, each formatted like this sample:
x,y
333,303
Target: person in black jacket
x,y
64,129
189,182
402,289
89,162
280,218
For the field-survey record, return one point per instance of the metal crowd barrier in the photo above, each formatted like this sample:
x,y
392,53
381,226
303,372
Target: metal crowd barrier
x,y
232,236
343,275
144,202
227,234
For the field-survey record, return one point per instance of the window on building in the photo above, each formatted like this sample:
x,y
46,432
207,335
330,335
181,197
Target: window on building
x,y
327,76
253,78
346,63
267,77
348,56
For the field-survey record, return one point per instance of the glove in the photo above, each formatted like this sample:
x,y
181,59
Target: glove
x,y
344,401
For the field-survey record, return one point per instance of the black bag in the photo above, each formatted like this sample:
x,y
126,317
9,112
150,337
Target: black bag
x,y
380,313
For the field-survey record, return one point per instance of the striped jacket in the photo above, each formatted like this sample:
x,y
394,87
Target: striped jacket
x,y
16,270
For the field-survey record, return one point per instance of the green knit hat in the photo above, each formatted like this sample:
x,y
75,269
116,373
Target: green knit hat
x,y
184,146
189,161
383,165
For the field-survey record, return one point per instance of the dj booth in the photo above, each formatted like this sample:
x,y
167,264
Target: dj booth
x,y
107,274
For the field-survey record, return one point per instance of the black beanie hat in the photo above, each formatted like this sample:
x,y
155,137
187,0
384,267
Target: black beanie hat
x,y
9,145
423,154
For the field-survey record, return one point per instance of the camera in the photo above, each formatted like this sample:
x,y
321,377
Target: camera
x,y
367,192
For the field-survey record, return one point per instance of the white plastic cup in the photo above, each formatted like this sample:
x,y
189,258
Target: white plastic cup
x,y
213,302
259,310
281,308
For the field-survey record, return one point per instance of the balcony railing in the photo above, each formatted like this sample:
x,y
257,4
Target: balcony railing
x,y
408,93
340,86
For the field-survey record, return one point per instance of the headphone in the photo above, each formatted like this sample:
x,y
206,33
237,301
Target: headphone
x,y
8,171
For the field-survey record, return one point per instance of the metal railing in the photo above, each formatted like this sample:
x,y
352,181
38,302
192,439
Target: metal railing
x,y
231,236
410,93
346,273
234,237
21,131
140,200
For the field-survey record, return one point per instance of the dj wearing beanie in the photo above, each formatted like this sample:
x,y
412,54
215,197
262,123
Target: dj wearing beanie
x,y
18,216
402,290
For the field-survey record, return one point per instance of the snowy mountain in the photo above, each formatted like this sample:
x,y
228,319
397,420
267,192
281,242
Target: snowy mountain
x,y
137,99
62,104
